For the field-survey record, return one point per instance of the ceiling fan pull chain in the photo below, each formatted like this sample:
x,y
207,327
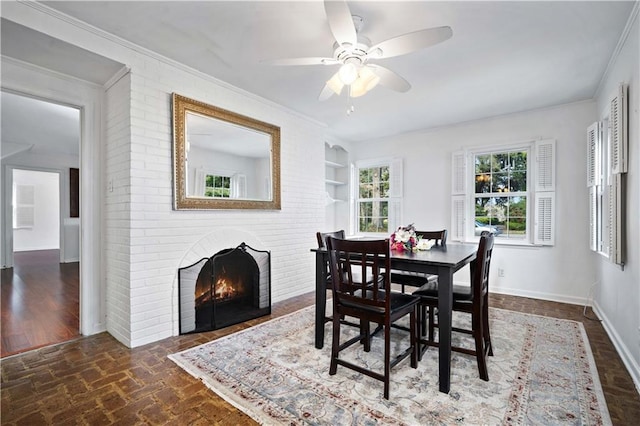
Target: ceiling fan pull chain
x,y
350,107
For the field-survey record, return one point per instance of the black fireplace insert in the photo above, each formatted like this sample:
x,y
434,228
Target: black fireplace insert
x,y
232,286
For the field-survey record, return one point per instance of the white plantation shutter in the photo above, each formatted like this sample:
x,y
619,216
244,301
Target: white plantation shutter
x,y
545,184
593,159
615,193
239,186
353,205
545,165
618,122
395,194
593,218
459,173
615,222
459,198
458,221
395,176
593,181
544,218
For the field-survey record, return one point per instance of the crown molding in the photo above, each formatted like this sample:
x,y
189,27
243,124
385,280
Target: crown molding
x,y
47,71
616,52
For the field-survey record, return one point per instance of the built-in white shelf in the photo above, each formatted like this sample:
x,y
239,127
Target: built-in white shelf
x,y
333,164
330,200
334,182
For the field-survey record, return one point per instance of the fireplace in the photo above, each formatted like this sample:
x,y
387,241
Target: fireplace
x,y
232,286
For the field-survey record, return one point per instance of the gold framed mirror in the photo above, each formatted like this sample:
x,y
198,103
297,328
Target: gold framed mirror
x,y
223,160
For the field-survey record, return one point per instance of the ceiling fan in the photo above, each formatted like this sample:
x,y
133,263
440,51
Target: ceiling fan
x,y
353,53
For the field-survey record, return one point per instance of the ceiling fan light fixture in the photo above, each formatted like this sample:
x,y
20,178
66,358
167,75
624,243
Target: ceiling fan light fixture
x,y
335,84
348,73
366,81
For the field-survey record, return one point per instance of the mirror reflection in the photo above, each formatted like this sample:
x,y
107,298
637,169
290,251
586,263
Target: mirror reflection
x,y
223,160
226,161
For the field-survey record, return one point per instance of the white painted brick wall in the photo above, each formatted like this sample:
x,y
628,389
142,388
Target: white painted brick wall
x,y
160,237
117,258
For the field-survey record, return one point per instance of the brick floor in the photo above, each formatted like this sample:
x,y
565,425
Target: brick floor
x,y
96,380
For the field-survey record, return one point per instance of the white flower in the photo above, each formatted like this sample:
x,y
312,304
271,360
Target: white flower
x,y
403,236
425,244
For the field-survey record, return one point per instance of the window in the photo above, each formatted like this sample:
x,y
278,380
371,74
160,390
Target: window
x,y
500,196
377,196
508,191
217,186
373,204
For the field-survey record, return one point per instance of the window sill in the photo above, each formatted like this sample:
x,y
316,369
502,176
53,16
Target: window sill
x,y
507,243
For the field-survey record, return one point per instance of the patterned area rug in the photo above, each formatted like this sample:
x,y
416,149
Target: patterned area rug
x,y
542,373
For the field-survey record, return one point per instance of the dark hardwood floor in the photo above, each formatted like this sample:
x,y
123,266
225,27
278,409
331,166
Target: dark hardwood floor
x,y
96,380
40,302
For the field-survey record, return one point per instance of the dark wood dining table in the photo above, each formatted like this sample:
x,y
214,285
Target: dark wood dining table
x,y
442,261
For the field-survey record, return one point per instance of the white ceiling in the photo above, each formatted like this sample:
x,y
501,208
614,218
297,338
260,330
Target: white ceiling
x,y
38,126
504,57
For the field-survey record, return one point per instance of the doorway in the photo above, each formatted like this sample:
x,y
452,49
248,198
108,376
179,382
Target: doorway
x,y
41,284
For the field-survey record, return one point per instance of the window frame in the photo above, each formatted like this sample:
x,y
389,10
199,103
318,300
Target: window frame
x,y
540,211
394,198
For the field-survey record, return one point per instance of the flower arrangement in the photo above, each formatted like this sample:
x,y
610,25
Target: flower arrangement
x,y
404,239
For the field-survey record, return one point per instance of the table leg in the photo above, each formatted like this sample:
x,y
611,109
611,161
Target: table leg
x,y
321,296
445,304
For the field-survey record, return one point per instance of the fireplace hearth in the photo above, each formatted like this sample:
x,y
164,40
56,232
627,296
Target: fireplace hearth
x,y
232,286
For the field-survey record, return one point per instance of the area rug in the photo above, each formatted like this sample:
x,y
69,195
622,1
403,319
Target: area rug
x,y
542,373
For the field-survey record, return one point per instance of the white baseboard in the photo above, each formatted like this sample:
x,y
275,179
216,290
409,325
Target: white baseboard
x,y
539,295
632,366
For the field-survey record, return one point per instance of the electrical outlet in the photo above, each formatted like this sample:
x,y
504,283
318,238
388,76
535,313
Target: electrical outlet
x,y
500,272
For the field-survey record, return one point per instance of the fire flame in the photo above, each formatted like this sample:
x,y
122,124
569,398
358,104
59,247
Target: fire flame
x,y
224,289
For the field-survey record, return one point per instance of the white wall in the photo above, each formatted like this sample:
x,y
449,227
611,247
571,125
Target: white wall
x,y
562,272
45,233
50,162
617,298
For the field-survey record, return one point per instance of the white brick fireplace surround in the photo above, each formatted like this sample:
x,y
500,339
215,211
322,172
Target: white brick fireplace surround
x,y
207,246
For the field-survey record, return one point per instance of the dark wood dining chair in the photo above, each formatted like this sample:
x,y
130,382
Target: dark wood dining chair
x,y
322,244
417,279
473,299
369,303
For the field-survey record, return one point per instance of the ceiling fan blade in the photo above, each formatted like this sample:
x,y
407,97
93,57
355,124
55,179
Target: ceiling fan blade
x,y
326,93
390,79
301,61
410,42
334,85
340,21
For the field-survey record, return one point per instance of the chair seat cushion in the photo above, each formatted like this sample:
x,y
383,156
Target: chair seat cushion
x,y
430,291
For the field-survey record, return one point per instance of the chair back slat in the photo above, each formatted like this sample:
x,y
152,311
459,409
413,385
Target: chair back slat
x,y
360,270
